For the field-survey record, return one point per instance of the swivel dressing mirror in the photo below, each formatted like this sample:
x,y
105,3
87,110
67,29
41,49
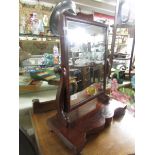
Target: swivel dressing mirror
x,y
84,53
83,79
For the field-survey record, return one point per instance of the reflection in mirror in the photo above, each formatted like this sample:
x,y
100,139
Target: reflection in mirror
x,y
86,49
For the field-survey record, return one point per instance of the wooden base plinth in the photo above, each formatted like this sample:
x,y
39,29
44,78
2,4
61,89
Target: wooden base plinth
x,y
40,107
74,136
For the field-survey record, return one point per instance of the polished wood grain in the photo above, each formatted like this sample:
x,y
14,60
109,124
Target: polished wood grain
x,y
118,139
39,107
73,133
74,136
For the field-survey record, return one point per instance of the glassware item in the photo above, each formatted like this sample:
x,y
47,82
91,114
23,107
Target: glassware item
x,y
45,20
40,26
55,51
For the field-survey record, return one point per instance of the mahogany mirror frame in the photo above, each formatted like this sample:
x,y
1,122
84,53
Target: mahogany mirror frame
x,y
64,59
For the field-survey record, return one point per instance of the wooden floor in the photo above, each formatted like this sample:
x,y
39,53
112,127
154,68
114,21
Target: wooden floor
x,y
119,139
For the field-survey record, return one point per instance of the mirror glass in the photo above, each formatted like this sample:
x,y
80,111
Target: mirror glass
x,y
86,50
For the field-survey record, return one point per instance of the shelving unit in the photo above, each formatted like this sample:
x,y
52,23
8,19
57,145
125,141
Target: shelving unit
x,y
120,42
37,44
35,35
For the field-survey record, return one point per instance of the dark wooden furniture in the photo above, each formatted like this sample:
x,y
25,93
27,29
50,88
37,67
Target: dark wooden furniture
x,y
97,71
113,54
75,72
85,75
76,119
119,138
79,117
41,107
89,73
